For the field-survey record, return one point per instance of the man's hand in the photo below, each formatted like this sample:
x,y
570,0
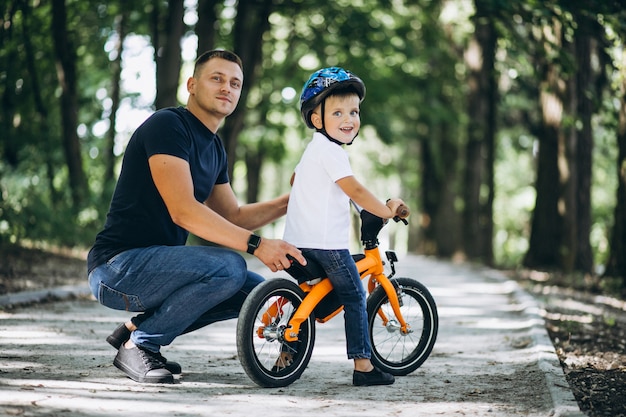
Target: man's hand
x,y
273,253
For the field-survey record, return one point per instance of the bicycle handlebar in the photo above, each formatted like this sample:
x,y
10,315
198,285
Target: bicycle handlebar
x,y
401,214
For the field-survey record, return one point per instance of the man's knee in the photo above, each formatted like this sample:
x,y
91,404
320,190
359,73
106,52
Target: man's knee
x,y
235,266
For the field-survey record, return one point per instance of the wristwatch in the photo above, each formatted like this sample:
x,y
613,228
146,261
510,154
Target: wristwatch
x,y
253,243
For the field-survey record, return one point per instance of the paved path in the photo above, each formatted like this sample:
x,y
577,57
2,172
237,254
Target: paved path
x,y
493,357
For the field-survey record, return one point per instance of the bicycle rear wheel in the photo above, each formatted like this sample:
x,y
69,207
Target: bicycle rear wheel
x,y
394,351
267,358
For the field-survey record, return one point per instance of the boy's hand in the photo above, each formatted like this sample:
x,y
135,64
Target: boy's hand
x,y
397,208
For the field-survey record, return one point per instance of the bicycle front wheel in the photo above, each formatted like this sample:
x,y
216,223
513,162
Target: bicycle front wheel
x,y
393,350
267,358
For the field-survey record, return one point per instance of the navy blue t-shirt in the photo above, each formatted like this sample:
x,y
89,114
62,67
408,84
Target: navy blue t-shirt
x,y
138,216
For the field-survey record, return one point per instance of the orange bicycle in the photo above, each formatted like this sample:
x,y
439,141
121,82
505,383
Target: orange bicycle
x,y
276,324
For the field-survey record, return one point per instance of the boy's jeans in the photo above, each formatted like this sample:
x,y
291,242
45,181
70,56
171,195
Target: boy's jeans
x,y
178,289
343,274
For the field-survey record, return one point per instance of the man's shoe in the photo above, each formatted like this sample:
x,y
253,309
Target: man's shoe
x,y
121,334
142,366
173,367
374,377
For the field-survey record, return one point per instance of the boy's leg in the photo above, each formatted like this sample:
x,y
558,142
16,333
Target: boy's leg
x,y
343,274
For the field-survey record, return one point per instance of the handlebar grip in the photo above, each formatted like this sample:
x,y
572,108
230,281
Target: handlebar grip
x,y
403,211
401,214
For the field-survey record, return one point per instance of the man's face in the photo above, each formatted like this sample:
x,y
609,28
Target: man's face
x,y
216,87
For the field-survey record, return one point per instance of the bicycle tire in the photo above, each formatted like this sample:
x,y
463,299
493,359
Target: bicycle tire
x,y
261,356
393,351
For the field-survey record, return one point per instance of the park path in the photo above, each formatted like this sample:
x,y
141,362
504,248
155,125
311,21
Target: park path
x,y
493,357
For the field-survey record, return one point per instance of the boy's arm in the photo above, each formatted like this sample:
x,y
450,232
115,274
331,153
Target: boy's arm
x,y
364,198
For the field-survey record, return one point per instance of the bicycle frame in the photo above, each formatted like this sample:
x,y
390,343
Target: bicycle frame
x,y
276,326
369,265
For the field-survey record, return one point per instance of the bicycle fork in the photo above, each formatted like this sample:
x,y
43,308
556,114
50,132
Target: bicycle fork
x,y
314,294
373,266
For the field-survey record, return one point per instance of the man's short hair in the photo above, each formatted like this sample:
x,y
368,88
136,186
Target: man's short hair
x,y
217,53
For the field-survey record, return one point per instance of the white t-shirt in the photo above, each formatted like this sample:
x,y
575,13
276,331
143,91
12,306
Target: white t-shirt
x,y
318,214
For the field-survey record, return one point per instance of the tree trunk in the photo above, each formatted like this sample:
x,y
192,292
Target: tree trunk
x,y
479,182
585,80
9,139
616,264
116,76
432,186
66,73
545,237
439,226
40,108
250,25
168,56
569,172
205,27
254,164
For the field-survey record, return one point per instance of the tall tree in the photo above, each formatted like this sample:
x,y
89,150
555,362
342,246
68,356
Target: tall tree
x,y
616,264
544,249
167,36
250,24
479,167
40,108
205,27
560,235
9,143
586,41
120,22
66,58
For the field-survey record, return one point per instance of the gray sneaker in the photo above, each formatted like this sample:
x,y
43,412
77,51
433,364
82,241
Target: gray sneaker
x,y
121,334
141,365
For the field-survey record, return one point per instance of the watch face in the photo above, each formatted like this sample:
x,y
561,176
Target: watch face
x,y
253,243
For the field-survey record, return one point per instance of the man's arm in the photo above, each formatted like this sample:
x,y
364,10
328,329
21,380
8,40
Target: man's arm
x,y
250,216
172,177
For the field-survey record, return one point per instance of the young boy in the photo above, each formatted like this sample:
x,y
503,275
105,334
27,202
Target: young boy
x,y
318,213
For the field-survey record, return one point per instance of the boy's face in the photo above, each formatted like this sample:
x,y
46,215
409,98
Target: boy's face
x,y
342,118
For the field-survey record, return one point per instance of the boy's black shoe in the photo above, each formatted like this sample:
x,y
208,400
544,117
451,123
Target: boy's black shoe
x,y
374,377
142,366
121,334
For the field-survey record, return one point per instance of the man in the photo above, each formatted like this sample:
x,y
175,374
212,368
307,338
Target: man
x,y
174,181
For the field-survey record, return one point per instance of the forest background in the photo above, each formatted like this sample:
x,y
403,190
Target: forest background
x,y
502,123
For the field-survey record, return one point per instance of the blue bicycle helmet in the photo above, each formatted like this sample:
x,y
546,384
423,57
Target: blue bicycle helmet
x,y
321,83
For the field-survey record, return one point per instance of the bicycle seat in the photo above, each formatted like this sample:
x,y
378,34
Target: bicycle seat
x,y
311,273
358,256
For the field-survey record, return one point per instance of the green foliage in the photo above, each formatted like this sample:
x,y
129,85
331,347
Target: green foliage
x,y
29,214
409,53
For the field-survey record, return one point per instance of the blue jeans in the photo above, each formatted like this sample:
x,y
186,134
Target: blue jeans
x,y
343,274
177,288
